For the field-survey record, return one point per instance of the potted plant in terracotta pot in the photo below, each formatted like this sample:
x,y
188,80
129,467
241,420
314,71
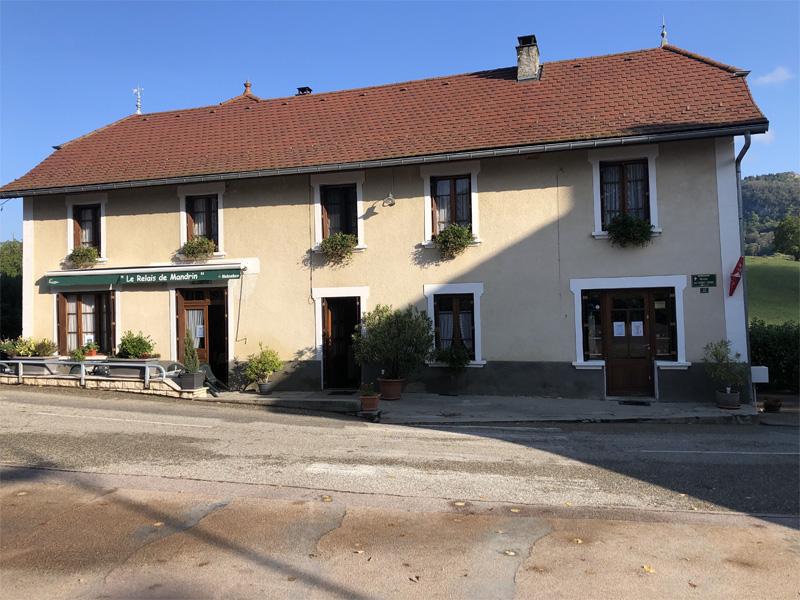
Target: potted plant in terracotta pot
x,y
369,397
90,349
725,367
398,342
260,366
191,378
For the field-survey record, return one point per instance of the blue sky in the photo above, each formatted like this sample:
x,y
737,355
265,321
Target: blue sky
x,y
67,68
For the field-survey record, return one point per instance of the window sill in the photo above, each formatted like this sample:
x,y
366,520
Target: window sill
x,y
102,260
473,364
431,244
671,365
590,365
603,235
214,255
357,249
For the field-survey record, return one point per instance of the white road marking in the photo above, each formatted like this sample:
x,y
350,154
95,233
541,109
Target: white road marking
x,y
125,420
720,452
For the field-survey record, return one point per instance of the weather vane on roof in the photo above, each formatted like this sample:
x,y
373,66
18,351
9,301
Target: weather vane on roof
x,y
138,91
664,41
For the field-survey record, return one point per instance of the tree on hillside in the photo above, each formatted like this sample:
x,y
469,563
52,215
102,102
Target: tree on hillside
x,y
10,289
766,201
787,237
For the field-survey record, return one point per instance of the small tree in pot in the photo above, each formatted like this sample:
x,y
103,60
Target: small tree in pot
x,y
725,368
399,342
190,378
260,366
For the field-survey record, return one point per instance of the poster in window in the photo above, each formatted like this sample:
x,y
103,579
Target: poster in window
x,y
619,329
200,332
637,328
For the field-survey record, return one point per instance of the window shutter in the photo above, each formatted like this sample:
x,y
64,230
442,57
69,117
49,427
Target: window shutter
x,y
61,318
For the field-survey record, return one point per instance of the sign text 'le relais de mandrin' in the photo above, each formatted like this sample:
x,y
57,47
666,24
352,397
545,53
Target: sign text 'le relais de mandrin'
x,y
141,277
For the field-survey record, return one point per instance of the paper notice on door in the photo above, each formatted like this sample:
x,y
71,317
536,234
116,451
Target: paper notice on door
x,y
637,329
619,329
200,331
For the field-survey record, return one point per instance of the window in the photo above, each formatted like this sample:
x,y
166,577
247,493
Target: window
x,y
201,213
201,218
339,213
451,196
86,222
452,202
455,309
85,317
454,319
86,226
624,182
624,190
338,206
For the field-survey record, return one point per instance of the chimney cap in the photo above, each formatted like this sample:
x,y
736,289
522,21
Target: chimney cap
x,y
302,91
527,40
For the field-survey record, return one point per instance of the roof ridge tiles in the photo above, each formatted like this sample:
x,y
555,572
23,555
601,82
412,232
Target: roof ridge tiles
x,y
701,58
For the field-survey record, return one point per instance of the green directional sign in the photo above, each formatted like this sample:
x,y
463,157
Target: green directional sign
x,y
144,277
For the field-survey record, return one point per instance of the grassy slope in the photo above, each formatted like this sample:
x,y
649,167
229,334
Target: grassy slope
x,y
773,289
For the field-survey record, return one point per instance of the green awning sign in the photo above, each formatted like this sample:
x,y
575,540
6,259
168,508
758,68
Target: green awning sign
x,y
144,277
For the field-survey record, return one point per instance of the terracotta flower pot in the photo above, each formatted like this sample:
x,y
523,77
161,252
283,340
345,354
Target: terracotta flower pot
x,y
391,388
370,403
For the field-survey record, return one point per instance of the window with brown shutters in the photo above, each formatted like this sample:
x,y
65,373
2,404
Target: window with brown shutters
x,y
624,190
202,217
452,202
454,319
86,225
339,212
84,317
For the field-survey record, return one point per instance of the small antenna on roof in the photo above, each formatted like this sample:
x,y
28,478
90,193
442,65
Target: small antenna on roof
x,y
664,41
138,91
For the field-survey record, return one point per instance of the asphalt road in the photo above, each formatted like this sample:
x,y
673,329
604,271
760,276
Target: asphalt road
x,y
256,495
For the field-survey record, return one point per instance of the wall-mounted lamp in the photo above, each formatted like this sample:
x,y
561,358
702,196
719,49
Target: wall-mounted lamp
x,y
389,200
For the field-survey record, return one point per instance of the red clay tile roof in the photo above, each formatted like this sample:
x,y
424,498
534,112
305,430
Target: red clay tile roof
x,y
660,90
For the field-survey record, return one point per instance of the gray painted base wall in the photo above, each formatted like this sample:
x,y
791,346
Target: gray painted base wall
x,y
540,379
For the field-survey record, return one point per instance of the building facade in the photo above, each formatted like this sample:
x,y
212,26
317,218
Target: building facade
x,y
536,159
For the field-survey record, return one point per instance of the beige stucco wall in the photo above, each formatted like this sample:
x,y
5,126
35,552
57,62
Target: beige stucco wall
x,y
536,220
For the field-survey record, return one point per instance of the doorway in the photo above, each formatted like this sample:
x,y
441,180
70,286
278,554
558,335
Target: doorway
x,y
628,351
204,313
340,316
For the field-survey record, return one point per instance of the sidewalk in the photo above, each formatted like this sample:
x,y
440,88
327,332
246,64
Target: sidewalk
x,y
434,409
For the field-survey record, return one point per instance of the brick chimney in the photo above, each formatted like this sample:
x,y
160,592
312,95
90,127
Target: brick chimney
x,y
527,58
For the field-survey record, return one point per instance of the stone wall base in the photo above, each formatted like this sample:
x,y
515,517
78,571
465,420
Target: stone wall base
x,y
158,387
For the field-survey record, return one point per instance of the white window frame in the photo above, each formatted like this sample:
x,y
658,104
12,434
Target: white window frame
x,y
476,289
471,167
83,200
350,177
318,294
649,152
676,282
204,189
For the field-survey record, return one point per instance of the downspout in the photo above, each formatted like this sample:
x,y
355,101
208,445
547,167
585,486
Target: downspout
x,y
739,158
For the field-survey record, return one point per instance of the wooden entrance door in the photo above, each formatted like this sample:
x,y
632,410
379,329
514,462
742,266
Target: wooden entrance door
x,y
628,353
204,313
339,319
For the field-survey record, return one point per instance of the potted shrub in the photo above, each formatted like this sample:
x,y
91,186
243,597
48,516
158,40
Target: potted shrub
x,y
369,397
398,342
260,366
725,368
198,248
338,248
31,349
136,348
772,404
83,256
6,348
625,229
453,240
91,348
455,357
191,378
77,355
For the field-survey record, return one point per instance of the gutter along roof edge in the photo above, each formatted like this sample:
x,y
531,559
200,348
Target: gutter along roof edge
x,y
409,160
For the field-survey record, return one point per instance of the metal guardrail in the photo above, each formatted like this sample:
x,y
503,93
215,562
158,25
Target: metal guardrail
x,y
83,365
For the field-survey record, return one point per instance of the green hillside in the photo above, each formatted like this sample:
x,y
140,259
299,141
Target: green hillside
x,y
773,289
